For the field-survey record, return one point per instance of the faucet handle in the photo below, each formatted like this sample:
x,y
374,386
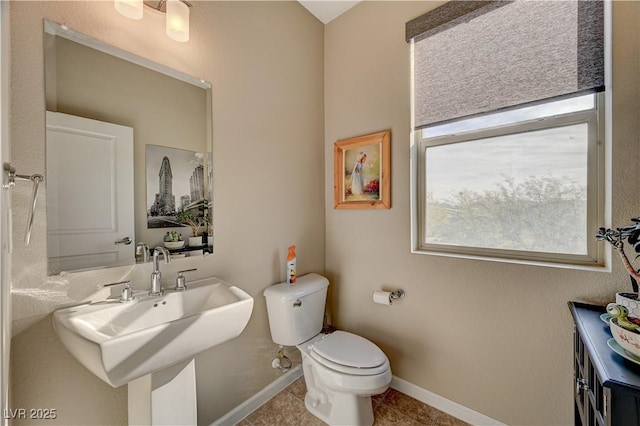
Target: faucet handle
x,y
125,282
126,294
181,281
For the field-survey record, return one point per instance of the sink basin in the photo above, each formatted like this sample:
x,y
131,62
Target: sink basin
x,y
120,342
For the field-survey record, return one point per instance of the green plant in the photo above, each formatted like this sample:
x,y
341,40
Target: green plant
x,y
193,221
172,236
616,237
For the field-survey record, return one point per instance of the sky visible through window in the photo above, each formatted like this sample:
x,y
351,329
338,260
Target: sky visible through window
x,y
480,165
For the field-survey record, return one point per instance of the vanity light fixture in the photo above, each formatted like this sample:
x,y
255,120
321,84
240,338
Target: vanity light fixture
x,y
177,20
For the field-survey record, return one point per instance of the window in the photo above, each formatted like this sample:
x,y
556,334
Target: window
x,y
506,166
520,184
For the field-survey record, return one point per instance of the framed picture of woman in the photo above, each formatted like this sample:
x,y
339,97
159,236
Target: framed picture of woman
x,y
362,172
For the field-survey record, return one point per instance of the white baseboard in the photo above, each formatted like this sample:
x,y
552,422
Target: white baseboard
x,y
436,401
443,404
260,398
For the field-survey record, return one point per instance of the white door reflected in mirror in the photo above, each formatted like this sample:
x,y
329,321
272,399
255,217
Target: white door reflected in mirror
x,y
89,193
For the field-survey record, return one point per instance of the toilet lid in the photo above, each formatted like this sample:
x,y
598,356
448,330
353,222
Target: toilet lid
x,y
349,350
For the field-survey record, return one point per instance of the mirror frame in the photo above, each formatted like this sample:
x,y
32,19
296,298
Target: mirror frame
x,y
64,31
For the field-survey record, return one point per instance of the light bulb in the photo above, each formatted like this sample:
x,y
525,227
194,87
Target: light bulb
x,y
132,9
177,25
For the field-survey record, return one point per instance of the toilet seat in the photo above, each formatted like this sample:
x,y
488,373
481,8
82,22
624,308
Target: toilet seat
x,y
349,353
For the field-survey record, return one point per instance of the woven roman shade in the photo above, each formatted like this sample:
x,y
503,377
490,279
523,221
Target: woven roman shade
x,y
474,57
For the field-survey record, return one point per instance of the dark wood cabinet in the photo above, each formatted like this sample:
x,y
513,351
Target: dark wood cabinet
x,y
606,386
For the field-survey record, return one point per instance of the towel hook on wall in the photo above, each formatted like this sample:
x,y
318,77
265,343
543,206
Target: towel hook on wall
x,y
9,182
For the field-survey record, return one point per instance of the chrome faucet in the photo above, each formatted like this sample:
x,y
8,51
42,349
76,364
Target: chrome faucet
x,y
156,275
142,252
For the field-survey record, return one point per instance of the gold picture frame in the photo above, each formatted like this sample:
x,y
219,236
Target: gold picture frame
x,y
361,172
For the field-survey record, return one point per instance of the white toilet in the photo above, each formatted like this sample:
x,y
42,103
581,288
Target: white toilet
x,y
341,370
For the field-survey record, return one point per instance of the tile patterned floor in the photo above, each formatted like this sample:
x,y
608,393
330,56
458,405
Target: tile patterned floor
x,y
389,408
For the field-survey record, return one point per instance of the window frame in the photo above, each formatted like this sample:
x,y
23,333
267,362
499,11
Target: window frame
x,y
595,192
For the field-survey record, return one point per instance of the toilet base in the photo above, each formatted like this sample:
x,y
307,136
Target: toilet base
x,y
339,399
346,409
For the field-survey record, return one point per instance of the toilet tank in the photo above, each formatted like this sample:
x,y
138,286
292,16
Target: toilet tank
x,y
296,312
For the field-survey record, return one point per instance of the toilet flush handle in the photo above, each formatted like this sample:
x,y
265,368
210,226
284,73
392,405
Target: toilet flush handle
x,y
297,303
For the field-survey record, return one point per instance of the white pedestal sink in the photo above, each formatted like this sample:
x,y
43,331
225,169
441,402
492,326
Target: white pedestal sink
x,y
123,342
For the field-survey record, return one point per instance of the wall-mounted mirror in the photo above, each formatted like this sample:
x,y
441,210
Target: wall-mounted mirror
x,y
128,155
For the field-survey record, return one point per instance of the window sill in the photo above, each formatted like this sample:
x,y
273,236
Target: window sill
x,y
594,267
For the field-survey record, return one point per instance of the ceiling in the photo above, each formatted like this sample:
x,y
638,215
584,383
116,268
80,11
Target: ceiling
x,y
327,10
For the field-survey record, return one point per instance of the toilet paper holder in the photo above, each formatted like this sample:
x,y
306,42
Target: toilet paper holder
x,y
386,297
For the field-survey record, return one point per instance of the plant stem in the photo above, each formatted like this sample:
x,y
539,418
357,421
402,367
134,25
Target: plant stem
x,y
625,261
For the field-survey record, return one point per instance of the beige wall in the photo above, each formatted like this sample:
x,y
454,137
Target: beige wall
x,y
264,60
491,336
